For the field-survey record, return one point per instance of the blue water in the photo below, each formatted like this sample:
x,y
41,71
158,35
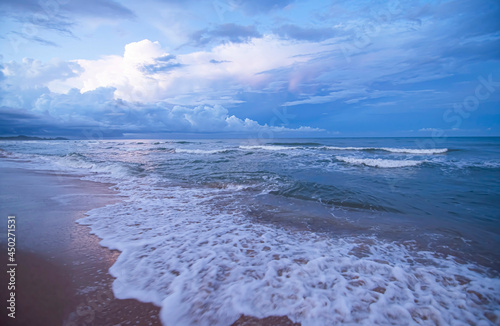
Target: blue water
x,y
439,195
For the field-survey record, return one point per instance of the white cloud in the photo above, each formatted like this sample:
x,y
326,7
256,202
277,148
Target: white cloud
x,y
138,92
124,73
30,73
222,70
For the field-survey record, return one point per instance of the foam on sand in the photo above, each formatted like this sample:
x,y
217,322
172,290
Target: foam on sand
x,y
206,266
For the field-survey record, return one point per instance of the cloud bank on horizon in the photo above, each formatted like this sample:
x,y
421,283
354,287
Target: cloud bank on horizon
x,y
241,67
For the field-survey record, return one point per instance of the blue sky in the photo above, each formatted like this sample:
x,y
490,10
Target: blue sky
x,y
259,68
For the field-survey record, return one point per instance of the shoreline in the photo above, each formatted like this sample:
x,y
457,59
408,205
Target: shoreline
x,y
62,274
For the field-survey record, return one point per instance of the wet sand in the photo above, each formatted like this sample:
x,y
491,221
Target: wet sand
x,y
62,273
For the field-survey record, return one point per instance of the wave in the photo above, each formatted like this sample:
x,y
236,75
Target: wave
x,y
4,153
390,149
416,151
201,151
77,163
489,164
332,195
268,147
169,150
207,267
295,144
180,142
379,163
205,264
292,146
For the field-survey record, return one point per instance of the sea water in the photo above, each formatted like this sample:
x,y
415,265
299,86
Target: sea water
x,y
360,231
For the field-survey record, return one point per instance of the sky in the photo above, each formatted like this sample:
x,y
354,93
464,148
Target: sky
x,y
249,68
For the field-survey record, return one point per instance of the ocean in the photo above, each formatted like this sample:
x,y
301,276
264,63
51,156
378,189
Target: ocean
x,y
338,231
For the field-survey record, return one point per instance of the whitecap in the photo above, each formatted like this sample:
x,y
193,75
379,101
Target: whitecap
x,y
391,149
268,147
377,162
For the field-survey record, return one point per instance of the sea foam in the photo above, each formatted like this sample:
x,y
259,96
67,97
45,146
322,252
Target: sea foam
x,y
268,147
377,162
200,151
391,149
205,265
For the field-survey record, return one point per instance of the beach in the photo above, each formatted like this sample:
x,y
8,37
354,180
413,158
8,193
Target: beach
x,y
62,273
250,163
62,276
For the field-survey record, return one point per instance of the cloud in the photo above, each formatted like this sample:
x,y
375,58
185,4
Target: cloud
x,y
34,14
59,9
58,16
370,59
405,49
349,95
305,33
147,73
224,33
161,64
249,7
36,39
253,7
76,112
23,82
99,8
218,61
34,73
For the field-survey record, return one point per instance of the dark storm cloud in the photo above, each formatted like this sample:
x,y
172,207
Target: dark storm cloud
x,y
19,121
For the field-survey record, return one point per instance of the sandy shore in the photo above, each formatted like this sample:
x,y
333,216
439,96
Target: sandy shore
x,y
62,274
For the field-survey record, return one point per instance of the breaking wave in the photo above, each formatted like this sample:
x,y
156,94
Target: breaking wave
x,y
391,150
378,162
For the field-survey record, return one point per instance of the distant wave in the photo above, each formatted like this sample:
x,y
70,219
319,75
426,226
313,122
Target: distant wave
x,y
183,142
415,151
288,146
170,150
379,163
490,164
268,147
4,153
392,150
200,151
295,144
